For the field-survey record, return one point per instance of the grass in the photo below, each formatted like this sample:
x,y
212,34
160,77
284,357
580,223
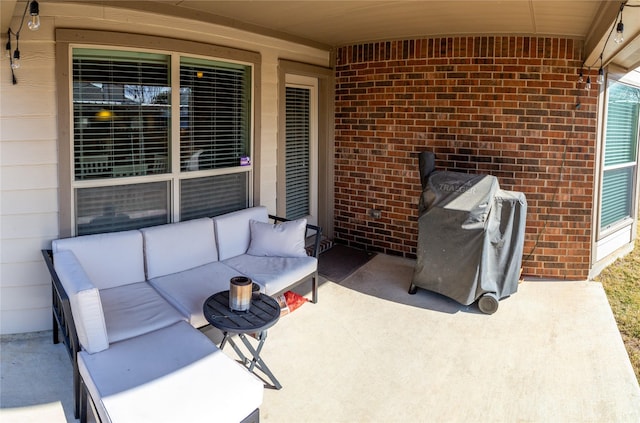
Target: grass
x,y
621,281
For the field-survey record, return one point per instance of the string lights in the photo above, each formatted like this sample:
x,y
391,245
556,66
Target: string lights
x,y
34,24
618,39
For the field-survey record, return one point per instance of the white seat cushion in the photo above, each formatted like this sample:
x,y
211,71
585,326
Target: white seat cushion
x,y
274,273
232,230
188,290
175,374
109,260
178,246
135,309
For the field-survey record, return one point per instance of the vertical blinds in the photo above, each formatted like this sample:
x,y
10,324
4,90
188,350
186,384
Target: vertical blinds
x,y
121,114
297,152
620,154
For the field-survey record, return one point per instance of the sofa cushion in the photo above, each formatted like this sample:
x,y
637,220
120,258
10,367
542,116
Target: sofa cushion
x,y
286,239
187,290
109,260
276,274
135,309
232,230
179,246
86,306
175,374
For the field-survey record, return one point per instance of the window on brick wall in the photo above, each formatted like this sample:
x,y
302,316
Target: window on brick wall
x,y
143,155
620,156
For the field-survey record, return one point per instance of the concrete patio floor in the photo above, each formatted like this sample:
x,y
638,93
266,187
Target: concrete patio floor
x,y
369,352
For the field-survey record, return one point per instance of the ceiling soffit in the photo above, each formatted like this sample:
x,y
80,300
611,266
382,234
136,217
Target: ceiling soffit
x,y
328,24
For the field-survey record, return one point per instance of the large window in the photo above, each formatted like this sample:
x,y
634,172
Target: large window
x,y
149,148
620,156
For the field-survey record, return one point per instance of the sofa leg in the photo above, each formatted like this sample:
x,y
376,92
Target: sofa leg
x,y
314,288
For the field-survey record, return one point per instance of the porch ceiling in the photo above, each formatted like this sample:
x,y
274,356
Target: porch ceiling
x,y
330,23
336,23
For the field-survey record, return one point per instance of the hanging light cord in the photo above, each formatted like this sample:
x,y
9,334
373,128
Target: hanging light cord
x,y
17,35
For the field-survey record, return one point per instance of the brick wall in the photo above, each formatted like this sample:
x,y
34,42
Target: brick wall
x,y
504,106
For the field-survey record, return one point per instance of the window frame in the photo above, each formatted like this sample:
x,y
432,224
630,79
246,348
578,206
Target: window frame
x,y
325,78
604,232
67,39
309,84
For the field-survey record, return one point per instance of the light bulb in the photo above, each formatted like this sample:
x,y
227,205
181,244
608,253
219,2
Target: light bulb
x,y
587,86
580,78
619,37
34,11
34,23
600,76
15,63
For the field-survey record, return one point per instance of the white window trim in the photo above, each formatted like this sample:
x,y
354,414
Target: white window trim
x,y
310,83
618,238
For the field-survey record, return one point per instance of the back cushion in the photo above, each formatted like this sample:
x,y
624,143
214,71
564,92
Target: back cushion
x,y
179,246
233,233
286,239
109,260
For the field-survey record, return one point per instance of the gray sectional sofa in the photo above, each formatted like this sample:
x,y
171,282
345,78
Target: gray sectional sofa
x,y
129,305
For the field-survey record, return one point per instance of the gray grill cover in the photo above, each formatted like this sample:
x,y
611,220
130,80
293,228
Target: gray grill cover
x,y
471,236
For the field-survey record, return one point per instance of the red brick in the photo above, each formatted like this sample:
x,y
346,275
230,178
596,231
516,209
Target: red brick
x,y
499,105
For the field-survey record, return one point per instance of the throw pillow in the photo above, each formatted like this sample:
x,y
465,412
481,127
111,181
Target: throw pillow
x,y
284,239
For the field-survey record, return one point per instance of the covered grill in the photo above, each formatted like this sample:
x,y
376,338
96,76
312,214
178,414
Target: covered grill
x,y
470,237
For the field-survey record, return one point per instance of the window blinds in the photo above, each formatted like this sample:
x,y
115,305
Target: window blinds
x,y
622,125
620,156
297,152
121,113
122,117
616,198
121,207
213,196
214,114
